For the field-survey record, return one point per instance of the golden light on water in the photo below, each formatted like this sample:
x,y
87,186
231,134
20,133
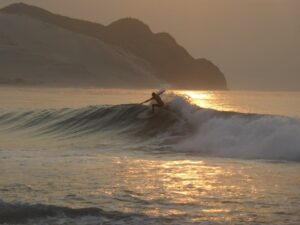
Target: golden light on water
x,y
180,182
203,99
215,100
197,95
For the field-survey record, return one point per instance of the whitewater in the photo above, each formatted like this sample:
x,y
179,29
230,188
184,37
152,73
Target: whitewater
x,y
202,159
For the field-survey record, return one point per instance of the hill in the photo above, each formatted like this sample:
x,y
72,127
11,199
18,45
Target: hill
x,y
158,54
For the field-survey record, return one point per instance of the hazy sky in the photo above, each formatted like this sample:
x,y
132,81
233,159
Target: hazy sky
x,y
256,43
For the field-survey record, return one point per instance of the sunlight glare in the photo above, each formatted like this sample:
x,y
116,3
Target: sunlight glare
x,y
202,99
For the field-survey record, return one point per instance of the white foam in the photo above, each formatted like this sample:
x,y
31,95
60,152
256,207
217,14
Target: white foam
x,y
239,135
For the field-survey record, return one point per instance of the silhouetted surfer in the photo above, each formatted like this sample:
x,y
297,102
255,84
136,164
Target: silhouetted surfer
x,y
159,101
156,97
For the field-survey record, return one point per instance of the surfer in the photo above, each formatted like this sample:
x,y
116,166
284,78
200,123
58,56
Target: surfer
x,y
159,101
156,97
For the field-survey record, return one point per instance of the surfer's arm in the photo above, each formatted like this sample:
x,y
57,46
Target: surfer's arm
x,y
147,100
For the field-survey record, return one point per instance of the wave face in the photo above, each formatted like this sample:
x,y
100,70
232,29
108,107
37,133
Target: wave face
x,y
18,213
180,127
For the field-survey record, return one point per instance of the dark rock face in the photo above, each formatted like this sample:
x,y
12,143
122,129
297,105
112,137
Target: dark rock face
x,y
170,61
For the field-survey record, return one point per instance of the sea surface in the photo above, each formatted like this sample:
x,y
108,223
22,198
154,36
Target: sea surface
x,y
95,156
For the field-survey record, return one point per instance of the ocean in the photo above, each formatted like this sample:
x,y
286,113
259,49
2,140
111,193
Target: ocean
x,y
96,156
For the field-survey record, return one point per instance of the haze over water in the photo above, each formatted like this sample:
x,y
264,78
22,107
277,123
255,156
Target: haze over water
x,y
90,156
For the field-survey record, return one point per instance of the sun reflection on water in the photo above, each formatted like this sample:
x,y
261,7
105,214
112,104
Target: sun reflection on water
x,y
186,184
210,99
203,99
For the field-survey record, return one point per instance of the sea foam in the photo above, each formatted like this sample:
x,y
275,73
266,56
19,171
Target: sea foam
x,y
238,135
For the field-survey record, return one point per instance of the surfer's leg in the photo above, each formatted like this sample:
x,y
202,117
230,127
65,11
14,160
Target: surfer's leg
x,y
153,107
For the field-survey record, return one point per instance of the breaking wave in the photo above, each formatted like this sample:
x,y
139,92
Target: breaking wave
x,y
180,127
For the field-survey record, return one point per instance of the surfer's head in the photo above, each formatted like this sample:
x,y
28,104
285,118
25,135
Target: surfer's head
x,y
153,94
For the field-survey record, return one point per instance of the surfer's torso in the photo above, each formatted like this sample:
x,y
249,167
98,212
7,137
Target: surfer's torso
x,y
158,100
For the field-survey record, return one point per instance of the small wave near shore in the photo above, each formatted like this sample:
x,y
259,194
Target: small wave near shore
x,y
21,213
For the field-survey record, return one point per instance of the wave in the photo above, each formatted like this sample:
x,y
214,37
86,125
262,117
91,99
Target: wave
x,y
20,213
180,127
89,120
